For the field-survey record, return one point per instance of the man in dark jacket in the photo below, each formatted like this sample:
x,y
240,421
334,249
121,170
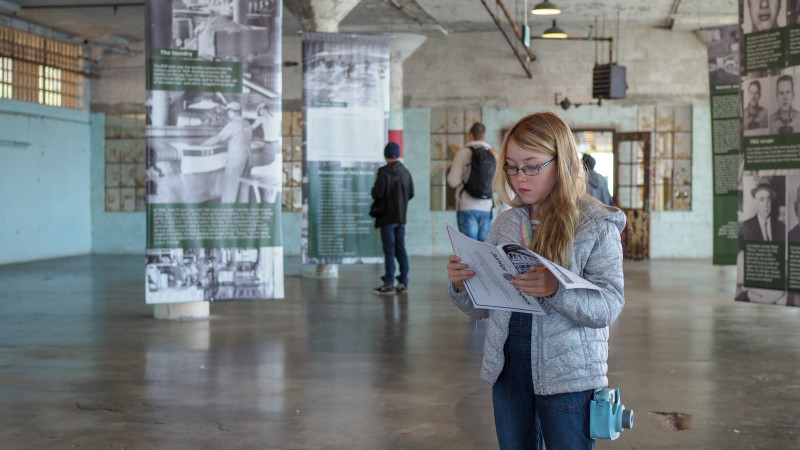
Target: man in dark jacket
x,y
392,190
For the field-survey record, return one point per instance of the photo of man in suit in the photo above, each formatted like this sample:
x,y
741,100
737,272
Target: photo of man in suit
x,y
763,226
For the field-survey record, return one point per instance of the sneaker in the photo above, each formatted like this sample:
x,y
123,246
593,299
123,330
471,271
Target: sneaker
x,y
401,288
384,290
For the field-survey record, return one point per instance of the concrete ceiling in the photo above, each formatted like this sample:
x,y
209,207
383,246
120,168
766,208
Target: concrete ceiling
x,y
121,23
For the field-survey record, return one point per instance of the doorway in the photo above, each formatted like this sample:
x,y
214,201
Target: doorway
x,y
632,191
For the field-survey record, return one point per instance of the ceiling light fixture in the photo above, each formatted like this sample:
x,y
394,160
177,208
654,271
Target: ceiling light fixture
x,y
545,8
554,32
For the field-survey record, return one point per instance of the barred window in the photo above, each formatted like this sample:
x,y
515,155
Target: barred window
x,y
49,86
38,69
6,77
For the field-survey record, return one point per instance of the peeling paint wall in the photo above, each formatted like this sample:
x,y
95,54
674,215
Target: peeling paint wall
x,y
479,69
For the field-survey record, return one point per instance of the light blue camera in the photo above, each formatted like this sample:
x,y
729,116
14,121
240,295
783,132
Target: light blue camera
x,y
607,416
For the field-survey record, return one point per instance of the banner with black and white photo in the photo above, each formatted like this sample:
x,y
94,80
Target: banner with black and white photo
x,y
723,65
214,170
345,126
768,259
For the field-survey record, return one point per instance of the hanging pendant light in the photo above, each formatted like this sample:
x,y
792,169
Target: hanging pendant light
x,y
545,8
554,32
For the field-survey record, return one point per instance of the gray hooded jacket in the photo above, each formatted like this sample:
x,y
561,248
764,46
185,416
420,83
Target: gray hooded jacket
x,y
569,348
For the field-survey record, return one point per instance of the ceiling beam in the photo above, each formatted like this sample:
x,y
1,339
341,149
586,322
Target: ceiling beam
x,y
508,39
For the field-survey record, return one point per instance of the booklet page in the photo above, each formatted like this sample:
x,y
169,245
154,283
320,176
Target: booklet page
x,y
495,267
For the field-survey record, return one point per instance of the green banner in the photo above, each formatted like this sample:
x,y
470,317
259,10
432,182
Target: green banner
x,y
765,50
193,75
214,225
723,63
778,151
345,125
764,264
726,227
341,222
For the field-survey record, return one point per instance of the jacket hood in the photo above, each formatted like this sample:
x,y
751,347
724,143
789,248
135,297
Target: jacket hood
x,y
597,212
593,212
393,167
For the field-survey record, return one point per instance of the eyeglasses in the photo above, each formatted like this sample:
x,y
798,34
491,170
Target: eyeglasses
x,y
530,171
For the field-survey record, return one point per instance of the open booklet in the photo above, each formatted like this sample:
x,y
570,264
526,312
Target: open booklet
x,y
495,267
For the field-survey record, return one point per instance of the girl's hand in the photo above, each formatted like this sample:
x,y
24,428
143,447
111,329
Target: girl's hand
x,y
458,272
536,282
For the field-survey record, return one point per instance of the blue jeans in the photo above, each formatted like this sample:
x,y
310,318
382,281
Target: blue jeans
x,y
525,420
474,224
393,237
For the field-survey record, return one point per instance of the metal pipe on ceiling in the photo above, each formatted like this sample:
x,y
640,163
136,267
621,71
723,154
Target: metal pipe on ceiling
x,y
508,39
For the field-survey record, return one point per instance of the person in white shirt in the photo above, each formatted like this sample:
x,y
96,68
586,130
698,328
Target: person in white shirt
x,y
474,214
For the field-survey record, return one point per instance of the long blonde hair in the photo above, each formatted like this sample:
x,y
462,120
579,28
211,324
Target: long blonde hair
x,y
559,213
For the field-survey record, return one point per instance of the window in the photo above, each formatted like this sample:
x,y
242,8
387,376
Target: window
x,y
37,69
672,159
668,161
292,198
49,86
449,133
6,77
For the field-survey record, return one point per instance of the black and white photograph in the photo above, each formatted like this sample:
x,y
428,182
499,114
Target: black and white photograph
x,y
521,257
793,200
220,146
723,55
764,209
762,15
213,274
792,12
763,219
338,72
785,116
755,110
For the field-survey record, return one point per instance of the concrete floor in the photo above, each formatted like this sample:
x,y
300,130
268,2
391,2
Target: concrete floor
x,y
83,364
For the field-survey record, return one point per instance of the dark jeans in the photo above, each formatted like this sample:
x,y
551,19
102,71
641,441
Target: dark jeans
x,y
393,237
525,420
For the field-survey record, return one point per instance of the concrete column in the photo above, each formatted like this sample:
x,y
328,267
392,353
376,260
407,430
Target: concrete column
x,y
182,311
402,46
322,16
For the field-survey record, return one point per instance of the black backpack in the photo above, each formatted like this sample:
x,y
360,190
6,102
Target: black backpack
x,y
482,166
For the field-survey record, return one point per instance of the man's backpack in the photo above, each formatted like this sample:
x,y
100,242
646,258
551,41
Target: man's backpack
x,y
482,166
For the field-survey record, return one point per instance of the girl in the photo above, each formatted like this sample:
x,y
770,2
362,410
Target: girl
x,y
544,368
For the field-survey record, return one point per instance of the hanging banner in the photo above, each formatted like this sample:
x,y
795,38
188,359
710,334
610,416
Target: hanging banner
x,y
723,64
345,123
214,163
768,265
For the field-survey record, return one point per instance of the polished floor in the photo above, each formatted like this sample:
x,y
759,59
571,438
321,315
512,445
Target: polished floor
x,y
83,364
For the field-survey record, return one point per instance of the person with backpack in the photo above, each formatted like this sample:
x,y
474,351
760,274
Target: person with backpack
x,y
391,192
471,176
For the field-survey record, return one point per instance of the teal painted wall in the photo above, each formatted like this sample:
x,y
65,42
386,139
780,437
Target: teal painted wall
x,y
44,161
